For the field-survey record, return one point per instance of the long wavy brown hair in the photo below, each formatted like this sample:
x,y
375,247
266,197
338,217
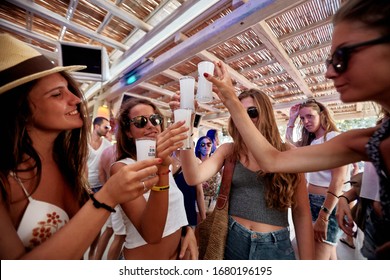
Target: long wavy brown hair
x,y
125,146
16,147
326,121
280,187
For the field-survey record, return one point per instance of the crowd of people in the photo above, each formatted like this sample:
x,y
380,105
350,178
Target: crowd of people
x,y
60,179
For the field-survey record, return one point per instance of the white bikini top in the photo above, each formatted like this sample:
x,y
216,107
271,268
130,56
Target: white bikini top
x,y
40,220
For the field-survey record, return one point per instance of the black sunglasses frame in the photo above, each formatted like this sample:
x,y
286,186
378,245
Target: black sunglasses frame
x,y
204,144
340,57
142,121
252,112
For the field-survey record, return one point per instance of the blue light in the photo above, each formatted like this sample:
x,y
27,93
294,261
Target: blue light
x,y
132,79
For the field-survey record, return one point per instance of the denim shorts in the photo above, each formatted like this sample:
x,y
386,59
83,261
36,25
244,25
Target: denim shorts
x,y
334,232
244,244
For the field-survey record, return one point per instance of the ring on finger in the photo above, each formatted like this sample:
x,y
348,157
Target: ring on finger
x,y
145,188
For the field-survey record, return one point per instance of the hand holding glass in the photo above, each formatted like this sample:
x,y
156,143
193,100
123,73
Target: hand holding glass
x,y
146,148
205,93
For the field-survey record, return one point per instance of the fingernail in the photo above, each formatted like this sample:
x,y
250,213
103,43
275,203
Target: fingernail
x,y
206,75
160,160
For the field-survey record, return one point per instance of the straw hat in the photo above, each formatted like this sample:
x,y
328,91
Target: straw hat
x,y
20,63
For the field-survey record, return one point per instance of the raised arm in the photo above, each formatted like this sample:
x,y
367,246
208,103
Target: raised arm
x,y
345,148
294,112
149,217
194,172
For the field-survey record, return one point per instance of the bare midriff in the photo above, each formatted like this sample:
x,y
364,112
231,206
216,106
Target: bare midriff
x,y
256,226
167,249
314,189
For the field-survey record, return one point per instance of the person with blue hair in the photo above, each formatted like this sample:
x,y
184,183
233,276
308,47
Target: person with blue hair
x,y
213,135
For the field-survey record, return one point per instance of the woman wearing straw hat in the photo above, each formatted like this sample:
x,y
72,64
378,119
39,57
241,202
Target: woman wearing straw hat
x,y
43,150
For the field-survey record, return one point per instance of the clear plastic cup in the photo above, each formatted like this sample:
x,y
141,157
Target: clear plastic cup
x,y
146,148
205,88
185,115
187,88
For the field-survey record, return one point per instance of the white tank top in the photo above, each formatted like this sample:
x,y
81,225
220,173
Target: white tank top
x,y
176,218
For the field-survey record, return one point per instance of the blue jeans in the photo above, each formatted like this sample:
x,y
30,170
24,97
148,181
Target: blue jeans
x,y
334,232
244,244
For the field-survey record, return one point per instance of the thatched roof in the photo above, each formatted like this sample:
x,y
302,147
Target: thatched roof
x,y
277,46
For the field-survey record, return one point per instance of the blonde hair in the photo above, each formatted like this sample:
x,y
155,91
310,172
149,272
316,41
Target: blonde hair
x,y
326,121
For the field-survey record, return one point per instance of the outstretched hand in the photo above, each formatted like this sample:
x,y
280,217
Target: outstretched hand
x,y
174,103
223,81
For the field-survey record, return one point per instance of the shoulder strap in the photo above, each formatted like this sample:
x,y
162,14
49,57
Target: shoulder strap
x,y
21,184
224,190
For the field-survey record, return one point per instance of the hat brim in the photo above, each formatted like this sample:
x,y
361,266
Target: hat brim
x,y
38,75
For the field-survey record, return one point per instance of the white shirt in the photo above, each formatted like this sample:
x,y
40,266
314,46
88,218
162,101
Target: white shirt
x,y
176,218
323,178
93,163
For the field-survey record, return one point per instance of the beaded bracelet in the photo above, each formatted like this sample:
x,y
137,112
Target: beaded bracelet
x,y
98,204
346,198
326,210
160,188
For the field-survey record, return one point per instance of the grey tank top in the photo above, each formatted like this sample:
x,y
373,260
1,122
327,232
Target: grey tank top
x,y
246,199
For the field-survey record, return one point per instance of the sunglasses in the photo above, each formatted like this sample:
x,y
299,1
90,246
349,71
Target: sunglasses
x,y
204,144
340,57
141,121
252,112
108,127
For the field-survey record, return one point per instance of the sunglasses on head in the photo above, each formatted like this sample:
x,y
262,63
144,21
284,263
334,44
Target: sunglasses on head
x,y
252,112
340,57
204,144
141,121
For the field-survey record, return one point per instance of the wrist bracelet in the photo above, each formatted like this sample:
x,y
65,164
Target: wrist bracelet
x,y
333,194
346,198
291,126
326,210
164,173
98,204
160,188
